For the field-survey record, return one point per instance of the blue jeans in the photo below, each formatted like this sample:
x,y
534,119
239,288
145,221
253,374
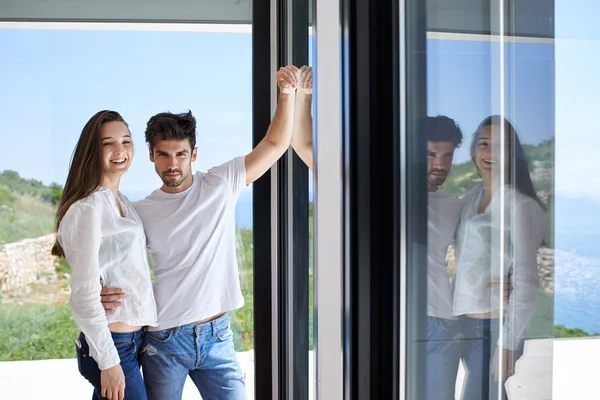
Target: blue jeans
x,y
443,356
480,337
129,346
204,351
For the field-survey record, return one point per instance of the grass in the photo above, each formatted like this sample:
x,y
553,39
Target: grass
x,y
36,332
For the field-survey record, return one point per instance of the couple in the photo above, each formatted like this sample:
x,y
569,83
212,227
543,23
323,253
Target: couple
x,y
496,232
178,326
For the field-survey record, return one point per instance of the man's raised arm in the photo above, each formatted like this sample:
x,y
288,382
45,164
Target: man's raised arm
x,y
278,137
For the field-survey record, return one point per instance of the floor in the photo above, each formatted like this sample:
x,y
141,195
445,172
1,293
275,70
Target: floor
x,y
565,369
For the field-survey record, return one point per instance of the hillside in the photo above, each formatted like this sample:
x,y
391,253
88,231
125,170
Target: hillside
x,y
27,207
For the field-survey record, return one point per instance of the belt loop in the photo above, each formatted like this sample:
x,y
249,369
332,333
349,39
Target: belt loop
x,y
214,328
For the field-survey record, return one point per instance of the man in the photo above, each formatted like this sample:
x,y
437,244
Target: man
x,y
443,353
190,229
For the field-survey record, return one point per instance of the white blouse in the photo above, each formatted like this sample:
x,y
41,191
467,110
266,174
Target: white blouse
x,y
485,250
99,243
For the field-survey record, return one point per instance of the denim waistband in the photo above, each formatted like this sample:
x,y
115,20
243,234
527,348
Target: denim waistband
x,y
210,326
125,335
128,335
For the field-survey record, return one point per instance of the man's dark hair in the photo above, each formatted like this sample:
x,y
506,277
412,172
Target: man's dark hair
x,y
443,129
169,126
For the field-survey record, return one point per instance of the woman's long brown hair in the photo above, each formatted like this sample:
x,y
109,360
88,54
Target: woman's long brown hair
x,y
518,175
85,172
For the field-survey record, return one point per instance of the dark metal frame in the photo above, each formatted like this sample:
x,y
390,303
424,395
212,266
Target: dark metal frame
x,y
261,201
292,235
372,216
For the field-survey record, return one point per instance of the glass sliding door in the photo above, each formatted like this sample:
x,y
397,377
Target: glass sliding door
x,y
505,149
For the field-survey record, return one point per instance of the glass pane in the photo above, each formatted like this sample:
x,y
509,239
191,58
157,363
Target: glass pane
x,y
513,265
53,81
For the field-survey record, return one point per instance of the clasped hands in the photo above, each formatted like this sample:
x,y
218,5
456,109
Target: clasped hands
x,y
291,78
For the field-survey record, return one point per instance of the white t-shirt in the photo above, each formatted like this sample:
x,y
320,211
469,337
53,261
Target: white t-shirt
x,y
442,221
480,243
191,237
98,242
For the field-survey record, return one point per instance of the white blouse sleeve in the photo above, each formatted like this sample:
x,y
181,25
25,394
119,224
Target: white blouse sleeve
x,y
80,236
528,229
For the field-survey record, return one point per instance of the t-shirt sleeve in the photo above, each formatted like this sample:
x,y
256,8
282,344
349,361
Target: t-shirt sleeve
x,y
233,172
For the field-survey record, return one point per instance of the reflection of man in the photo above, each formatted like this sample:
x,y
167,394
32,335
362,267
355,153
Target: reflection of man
x,y
443,137
190,228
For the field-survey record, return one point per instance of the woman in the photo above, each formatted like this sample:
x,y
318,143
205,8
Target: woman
x,y
502,226
101,236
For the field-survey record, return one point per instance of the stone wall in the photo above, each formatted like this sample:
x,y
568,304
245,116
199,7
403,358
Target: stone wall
x,y
546,269
26,262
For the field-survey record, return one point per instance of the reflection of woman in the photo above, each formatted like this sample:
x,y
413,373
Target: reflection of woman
x,y
500,232
101,236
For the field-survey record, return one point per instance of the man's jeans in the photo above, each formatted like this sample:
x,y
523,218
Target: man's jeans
x,y
129,346
443,355
204,351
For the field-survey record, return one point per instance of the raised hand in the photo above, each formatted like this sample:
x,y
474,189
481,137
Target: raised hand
x,y
305,79
287,79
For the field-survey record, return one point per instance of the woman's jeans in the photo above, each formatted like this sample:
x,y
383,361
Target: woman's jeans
x,y
479,342
129,346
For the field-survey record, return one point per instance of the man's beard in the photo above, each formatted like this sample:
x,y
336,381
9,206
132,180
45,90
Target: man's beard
x,y
437,180
173,183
